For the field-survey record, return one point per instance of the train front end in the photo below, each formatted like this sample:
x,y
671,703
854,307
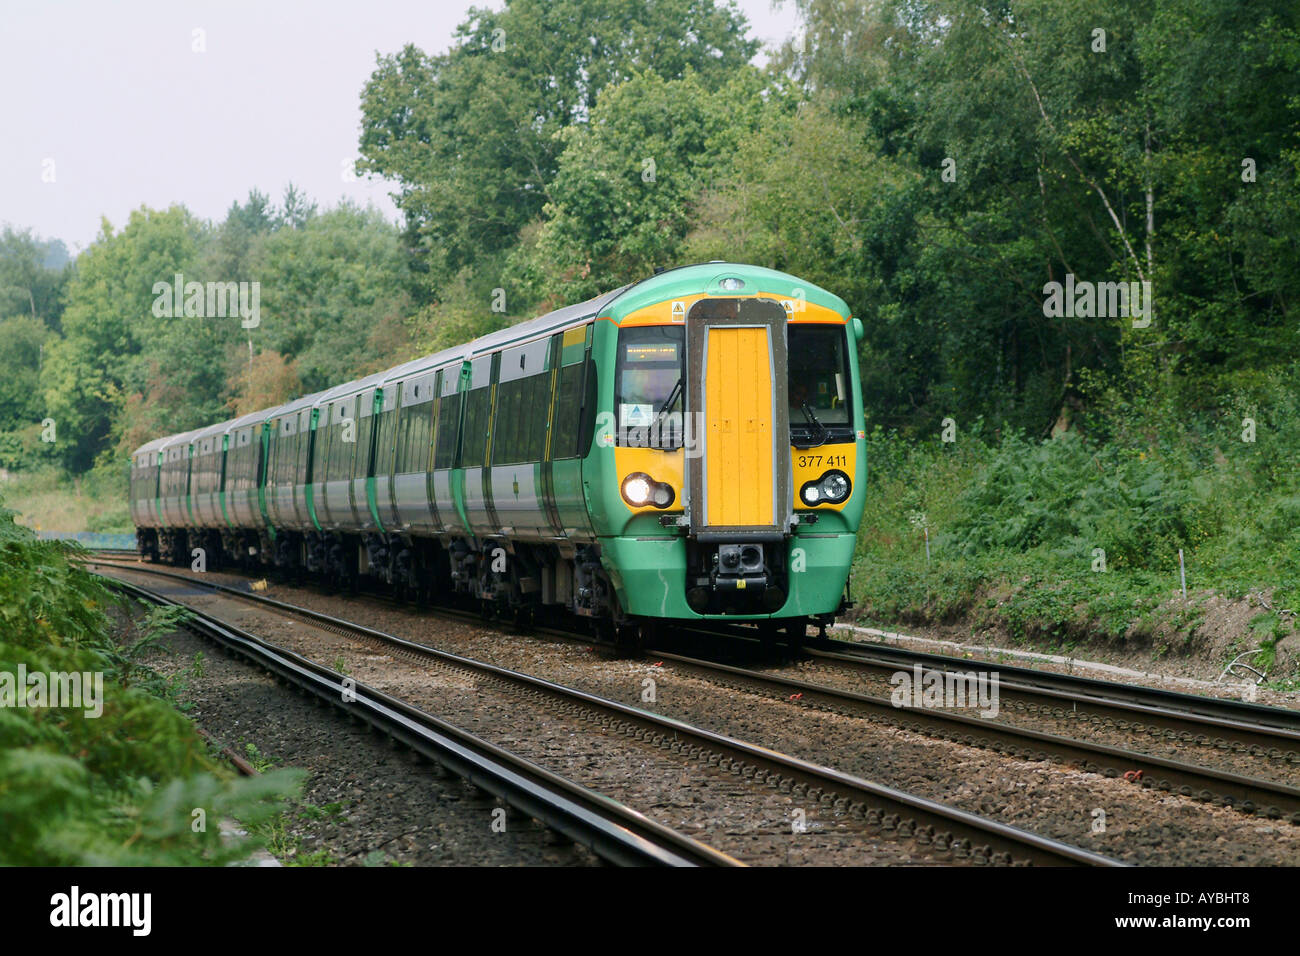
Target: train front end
x,y
729,448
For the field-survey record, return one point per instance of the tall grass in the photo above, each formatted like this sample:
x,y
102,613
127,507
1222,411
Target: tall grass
x,y
48,499
1074,536
122,788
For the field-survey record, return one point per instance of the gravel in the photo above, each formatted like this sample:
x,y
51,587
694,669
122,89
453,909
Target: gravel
x,y
1109,816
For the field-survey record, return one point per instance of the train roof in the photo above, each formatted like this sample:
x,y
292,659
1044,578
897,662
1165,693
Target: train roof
x,y
305,401
394,374
182,438
348,388
436,360
707,276
251,418
167,441
551,321
217,429
152,445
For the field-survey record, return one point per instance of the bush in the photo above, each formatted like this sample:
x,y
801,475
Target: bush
x,y
117,789
1018,527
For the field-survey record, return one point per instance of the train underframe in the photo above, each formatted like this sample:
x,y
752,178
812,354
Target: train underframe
x,y
526,582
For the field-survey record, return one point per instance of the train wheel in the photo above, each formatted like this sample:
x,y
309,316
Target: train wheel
x,y
603,632
795,634
629,640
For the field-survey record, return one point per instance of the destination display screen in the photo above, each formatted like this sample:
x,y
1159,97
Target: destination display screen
x,y
637,353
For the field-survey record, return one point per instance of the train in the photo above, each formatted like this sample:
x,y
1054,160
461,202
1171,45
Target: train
x,y
686,448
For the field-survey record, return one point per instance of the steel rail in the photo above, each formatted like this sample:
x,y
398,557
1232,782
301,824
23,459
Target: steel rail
x,y
931,822
1244,793
1247,724
614,832
1248,794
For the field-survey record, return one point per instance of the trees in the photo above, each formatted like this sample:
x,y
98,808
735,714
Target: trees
x,y
472,136
333,295
937,162
266,381
628,185
330,306
1069,136
110,332
32,274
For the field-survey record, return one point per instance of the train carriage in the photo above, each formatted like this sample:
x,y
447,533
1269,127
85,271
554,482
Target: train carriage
x,y
686,447
243,487
404,494
335,415
143,490
207,466
175,512
287,483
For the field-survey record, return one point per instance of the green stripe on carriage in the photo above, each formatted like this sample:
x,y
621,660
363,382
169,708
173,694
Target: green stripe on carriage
x,y
373,503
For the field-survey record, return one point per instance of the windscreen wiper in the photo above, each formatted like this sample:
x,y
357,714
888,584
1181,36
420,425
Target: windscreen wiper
x,y
668,402
663,410
821,429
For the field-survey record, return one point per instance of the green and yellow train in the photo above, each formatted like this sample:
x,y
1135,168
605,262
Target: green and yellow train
x,y
688,447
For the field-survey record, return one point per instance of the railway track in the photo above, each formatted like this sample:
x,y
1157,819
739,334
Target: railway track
x,y
932,824
614,832
1247,794
1234,720
1193,720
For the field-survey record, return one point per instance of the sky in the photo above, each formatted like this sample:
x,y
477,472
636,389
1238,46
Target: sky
x,y
112,105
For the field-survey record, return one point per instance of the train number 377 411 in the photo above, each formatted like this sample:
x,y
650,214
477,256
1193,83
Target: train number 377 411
x,y
823,461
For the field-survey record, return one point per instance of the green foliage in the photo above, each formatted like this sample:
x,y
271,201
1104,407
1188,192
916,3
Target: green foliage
x,y
1058,149
332,295
32,275
624,196
117,788
330,301
473,134
936,163
1018,527
109,322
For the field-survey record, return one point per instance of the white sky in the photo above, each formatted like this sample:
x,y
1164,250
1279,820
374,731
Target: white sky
x,y
114,95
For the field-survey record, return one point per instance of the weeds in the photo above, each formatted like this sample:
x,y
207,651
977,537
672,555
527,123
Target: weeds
x,y
129,787
1069,539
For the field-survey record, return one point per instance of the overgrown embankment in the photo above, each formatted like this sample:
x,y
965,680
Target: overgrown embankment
x,y
119,778
1074,541
48,499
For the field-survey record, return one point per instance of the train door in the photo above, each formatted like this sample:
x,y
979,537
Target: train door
x,y
739,482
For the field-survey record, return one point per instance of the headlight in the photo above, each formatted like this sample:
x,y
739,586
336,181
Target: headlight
x,y
831,488
639,490
835,486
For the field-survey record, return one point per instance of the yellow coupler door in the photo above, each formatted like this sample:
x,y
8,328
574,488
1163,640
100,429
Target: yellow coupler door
x,y
738,481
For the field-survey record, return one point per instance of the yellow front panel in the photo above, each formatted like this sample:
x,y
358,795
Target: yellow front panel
x,y
809,464
738,453
665,466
